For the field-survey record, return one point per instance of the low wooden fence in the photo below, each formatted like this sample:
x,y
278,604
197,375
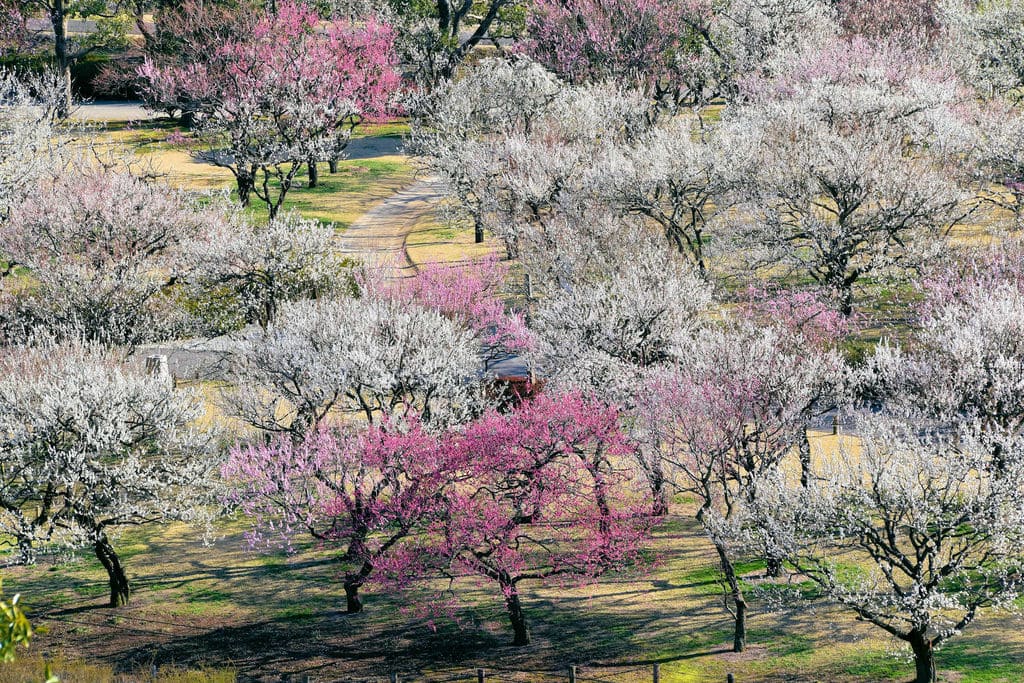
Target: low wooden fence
x,y
571,674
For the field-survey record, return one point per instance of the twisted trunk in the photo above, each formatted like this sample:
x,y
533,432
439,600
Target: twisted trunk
x,y
739,642
805,459
119,588
353,582
245,182
520,632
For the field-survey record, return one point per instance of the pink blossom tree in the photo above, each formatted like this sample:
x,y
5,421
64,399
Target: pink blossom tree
x,y
286,94
181,34
542,496
471,296
362,493
646,42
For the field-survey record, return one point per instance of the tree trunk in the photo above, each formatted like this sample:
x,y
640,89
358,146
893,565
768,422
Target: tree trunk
x,y
314,173
58,20
332,165
659,498
521,634
26,552
478,232
805,459
739,642
119,588
773,566
245,183
924,658
353,582
353,604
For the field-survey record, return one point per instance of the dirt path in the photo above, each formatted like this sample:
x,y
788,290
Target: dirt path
x,y
379,235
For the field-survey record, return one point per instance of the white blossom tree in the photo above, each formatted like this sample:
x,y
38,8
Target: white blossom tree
x,y
849,173
915,532
984,41
606,326
242,271
29,140
673,175
512,143
368,356
90,446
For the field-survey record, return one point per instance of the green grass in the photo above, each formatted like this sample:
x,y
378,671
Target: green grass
x,y
342,197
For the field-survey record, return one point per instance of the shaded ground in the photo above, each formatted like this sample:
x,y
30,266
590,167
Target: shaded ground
x,y
271,617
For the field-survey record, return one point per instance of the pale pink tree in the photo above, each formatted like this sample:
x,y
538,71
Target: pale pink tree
x,y
965,362
542,497
891,19
647,43
810,319
103,250
728,413
288,93
359,492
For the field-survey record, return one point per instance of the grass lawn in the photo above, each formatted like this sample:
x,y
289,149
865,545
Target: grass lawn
x,y
339,199
432,241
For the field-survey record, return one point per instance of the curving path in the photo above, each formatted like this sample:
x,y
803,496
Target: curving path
x,y
379,235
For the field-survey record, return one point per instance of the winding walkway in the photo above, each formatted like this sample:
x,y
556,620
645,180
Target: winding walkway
x,y
378,236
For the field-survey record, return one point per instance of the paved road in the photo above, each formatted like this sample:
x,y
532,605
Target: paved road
x,y
113,110
75,26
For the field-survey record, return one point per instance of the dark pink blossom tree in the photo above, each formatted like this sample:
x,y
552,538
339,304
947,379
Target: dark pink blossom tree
x,y
286,94
542,495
